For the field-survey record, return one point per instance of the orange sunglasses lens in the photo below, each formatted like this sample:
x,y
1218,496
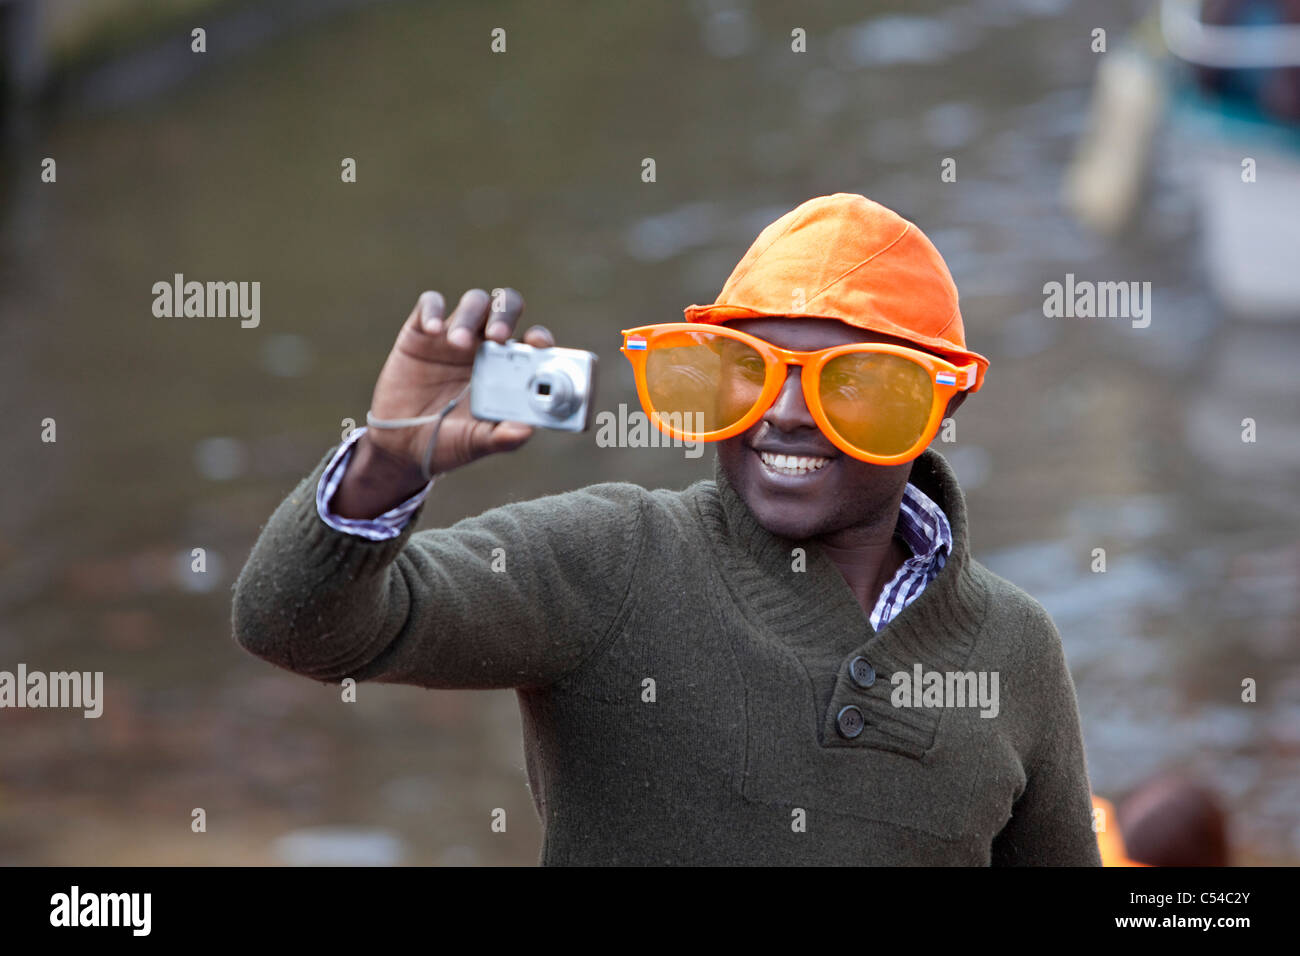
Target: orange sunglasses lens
x,y
703,382
879,403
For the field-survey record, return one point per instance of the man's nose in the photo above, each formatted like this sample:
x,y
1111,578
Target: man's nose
x,y
790,412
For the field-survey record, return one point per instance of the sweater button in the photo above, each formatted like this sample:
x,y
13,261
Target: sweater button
x,y
850,722
863,674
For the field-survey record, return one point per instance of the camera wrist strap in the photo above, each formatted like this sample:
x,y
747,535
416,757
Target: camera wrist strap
x,y
438,417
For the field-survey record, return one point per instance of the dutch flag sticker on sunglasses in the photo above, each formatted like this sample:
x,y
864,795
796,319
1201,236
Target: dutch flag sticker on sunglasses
x,y
636,342
944,378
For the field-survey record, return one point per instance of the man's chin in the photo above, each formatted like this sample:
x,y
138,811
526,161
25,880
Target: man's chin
x,y
776,519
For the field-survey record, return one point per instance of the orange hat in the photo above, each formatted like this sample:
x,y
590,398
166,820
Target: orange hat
x,y
845,257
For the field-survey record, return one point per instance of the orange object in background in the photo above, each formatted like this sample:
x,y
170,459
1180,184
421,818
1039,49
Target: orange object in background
x,y
1109,840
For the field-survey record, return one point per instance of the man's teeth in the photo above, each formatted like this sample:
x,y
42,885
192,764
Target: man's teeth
x,y
793,465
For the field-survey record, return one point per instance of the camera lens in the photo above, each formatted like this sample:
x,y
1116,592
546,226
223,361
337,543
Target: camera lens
x,y
551,391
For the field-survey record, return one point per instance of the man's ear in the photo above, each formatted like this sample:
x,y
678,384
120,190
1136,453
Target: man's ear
x,y
954,403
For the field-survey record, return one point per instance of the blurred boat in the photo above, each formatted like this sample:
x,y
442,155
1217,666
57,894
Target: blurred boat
x,y
1248,176
1212,83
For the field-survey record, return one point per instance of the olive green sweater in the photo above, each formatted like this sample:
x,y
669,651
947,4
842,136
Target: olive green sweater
x,y
682,675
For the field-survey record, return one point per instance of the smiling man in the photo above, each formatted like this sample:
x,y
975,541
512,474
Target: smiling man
x,y
708,676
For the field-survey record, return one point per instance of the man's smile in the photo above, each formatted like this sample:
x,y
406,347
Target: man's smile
x,y
792,464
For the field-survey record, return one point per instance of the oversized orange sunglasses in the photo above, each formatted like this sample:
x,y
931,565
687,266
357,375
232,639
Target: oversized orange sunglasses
x,y
876,402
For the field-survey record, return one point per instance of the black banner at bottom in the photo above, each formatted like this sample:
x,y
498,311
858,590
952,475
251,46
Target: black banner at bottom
x,y
214,905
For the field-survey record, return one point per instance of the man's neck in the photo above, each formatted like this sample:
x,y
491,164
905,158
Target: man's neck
x,y
868,555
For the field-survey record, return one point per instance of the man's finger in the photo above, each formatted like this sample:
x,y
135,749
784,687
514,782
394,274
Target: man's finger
x,y
507,436
539,337
420,332
507,304
432,308
465,324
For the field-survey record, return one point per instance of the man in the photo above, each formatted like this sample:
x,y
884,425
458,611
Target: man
x,y
721,674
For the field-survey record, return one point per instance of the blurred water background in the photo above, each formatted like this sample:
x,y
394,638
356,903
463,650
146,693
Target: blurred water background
x,y
524,169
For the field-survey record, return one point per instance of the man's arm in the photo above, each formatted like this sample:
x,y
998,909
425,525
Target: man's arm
x,y
516,597
1051,823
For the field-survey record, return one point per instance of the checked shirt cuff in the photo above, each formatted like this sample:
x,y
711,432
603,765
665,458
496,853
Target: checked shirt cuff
x,y
387,525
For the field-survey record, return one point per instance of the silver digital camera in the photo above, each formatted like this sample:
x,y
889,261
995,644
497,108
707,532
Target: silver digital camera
x,y
549,388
